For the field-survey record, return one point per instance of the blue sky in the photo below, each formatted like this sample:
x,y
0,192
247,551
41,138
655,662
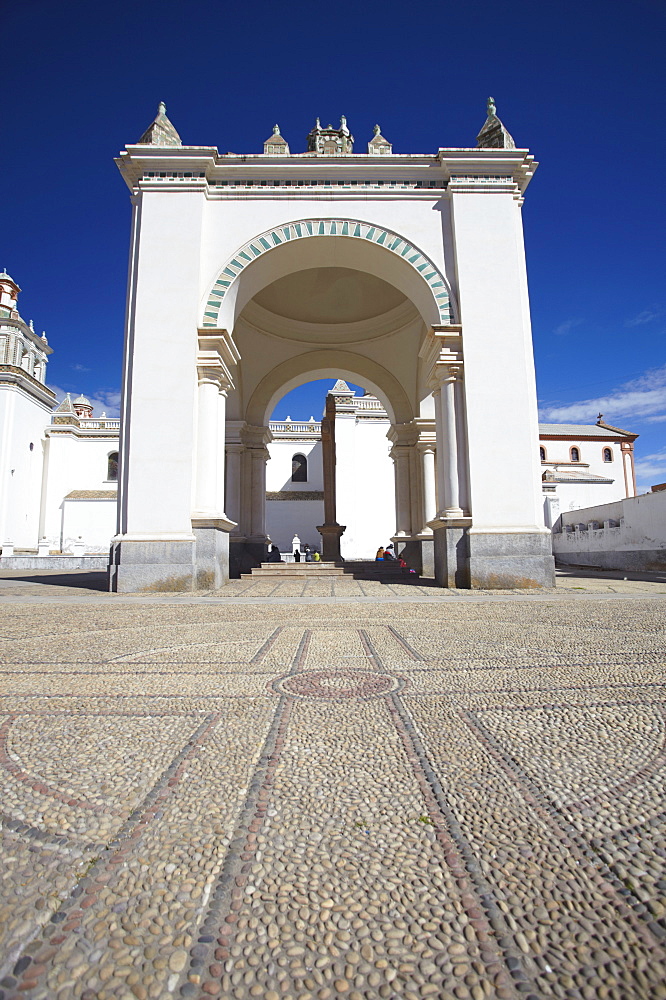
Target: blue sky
x,y
581,85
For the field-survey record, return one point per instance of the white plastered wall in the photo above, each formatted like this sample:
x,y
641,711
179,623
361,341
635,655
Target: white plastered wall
x,y
160,368
75,463
500,385
22,422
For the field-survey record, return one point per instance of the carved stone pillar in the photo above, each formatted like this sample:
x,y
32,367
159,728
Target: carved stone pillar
x,y
205,497
216,357
428,474
403,521
330,530
256,456
447,442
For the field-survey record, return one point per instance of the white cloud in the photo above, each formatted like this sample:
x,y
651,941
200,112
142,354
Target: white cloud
x,y
639,398
646,316
650,470
79,368
566,327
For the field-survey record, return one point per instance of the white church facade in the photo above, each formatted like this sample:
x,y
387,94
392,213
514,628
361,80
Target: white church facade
x,y
251,275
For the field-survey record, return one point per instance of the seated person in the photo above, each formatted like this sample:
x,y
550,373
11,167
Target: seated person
x,y
388,554
380,554
274,554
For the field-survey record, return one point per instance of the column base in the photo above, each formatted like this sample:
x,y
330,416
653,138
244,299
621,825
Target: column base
x,y
330,541
245,554
419,554
506,560
152,565
173,565
466,558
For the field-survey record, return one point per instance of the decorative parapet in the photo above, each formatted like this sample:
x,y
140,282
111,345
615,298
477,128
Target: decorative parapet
x,y
441,353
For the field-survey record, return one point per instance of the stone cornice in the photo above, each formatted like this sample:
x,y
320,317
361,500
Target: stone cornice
x,y
216,357
441,351
11,375
203,168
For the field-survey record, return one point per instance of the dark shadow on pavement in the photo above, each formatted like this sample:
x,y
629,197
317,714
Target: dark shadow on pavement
x,y
596,573
97,580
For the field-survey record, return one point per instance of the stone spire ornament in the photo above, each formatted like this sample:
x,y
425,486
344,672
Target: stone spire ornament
x,y
493,135
378,145
161,132
276,145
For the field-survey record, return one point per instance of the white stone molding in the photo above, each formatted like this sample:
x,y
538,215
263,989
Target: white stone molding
x,y
216,357
255,457
352,229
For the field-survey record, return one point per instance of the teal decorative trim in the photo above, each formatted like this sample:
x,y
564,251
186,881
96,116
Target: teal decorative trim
x,y
388,240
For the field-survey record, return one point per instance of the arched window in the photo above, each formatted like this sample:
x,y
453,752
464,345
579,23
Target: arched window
x,y
112,467
299,469
574,454
542,453
608,455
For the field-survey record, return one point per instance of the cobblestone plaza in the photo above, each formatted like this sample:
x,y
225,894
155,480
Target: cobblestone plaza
x,y
362,793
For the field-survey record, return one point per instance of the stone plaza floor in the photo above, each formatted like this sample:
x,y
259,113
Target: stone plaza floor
x,y
369,791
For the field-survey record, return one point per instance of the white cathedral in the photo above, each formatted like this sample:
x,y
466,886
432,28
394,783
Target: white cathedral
x,y
254,274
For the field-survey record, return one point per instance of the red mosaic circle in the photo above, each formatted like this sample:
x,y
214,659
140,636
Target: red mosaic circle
x,y
338,684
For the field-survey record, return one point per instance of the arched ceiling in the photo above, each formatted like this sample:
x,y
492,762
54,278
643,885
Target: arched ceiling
x,y
329,295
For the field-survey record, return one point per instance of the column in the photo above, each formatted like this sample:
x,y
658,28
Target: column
x,y
256,455
400,456
428,476
205,499
258,501
447,444
234,454
221,453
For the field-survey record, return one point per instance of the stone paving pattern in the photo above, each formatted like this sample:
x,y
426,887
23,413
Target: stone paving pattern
x,y
448,798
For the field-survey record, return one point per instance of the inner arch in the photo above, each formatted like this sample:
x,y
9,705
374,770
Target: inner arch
x,y
334,364
327,243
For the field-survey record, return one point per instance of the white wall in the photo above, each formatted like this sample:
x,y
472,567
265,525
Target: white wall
x,y
75,463
278,468
500,383
22,422
574,496
365,485
94,521
637,542
286,518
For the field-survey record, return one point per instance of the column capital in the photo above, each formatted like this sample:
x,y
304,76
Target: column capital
x,y
216,358
441,348
256,437
403,434
443,374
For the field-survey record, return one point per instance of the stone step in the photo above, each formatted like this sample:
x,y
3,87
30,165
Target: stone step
x,y
288,571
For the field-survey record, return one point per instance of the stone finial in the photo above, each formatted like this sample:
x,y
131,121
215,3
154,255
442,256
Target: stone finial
x,y
161,132
32,326
343,125
378,144
44,337
493,135
600,418
276,144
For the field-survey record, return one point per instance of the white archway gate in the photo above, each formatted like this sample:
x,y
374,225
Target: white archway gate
x,y
210,232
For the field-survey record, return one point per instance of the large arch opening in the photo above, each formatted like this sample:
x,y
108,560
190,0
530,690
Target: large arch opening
x,y
338,308
296,477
